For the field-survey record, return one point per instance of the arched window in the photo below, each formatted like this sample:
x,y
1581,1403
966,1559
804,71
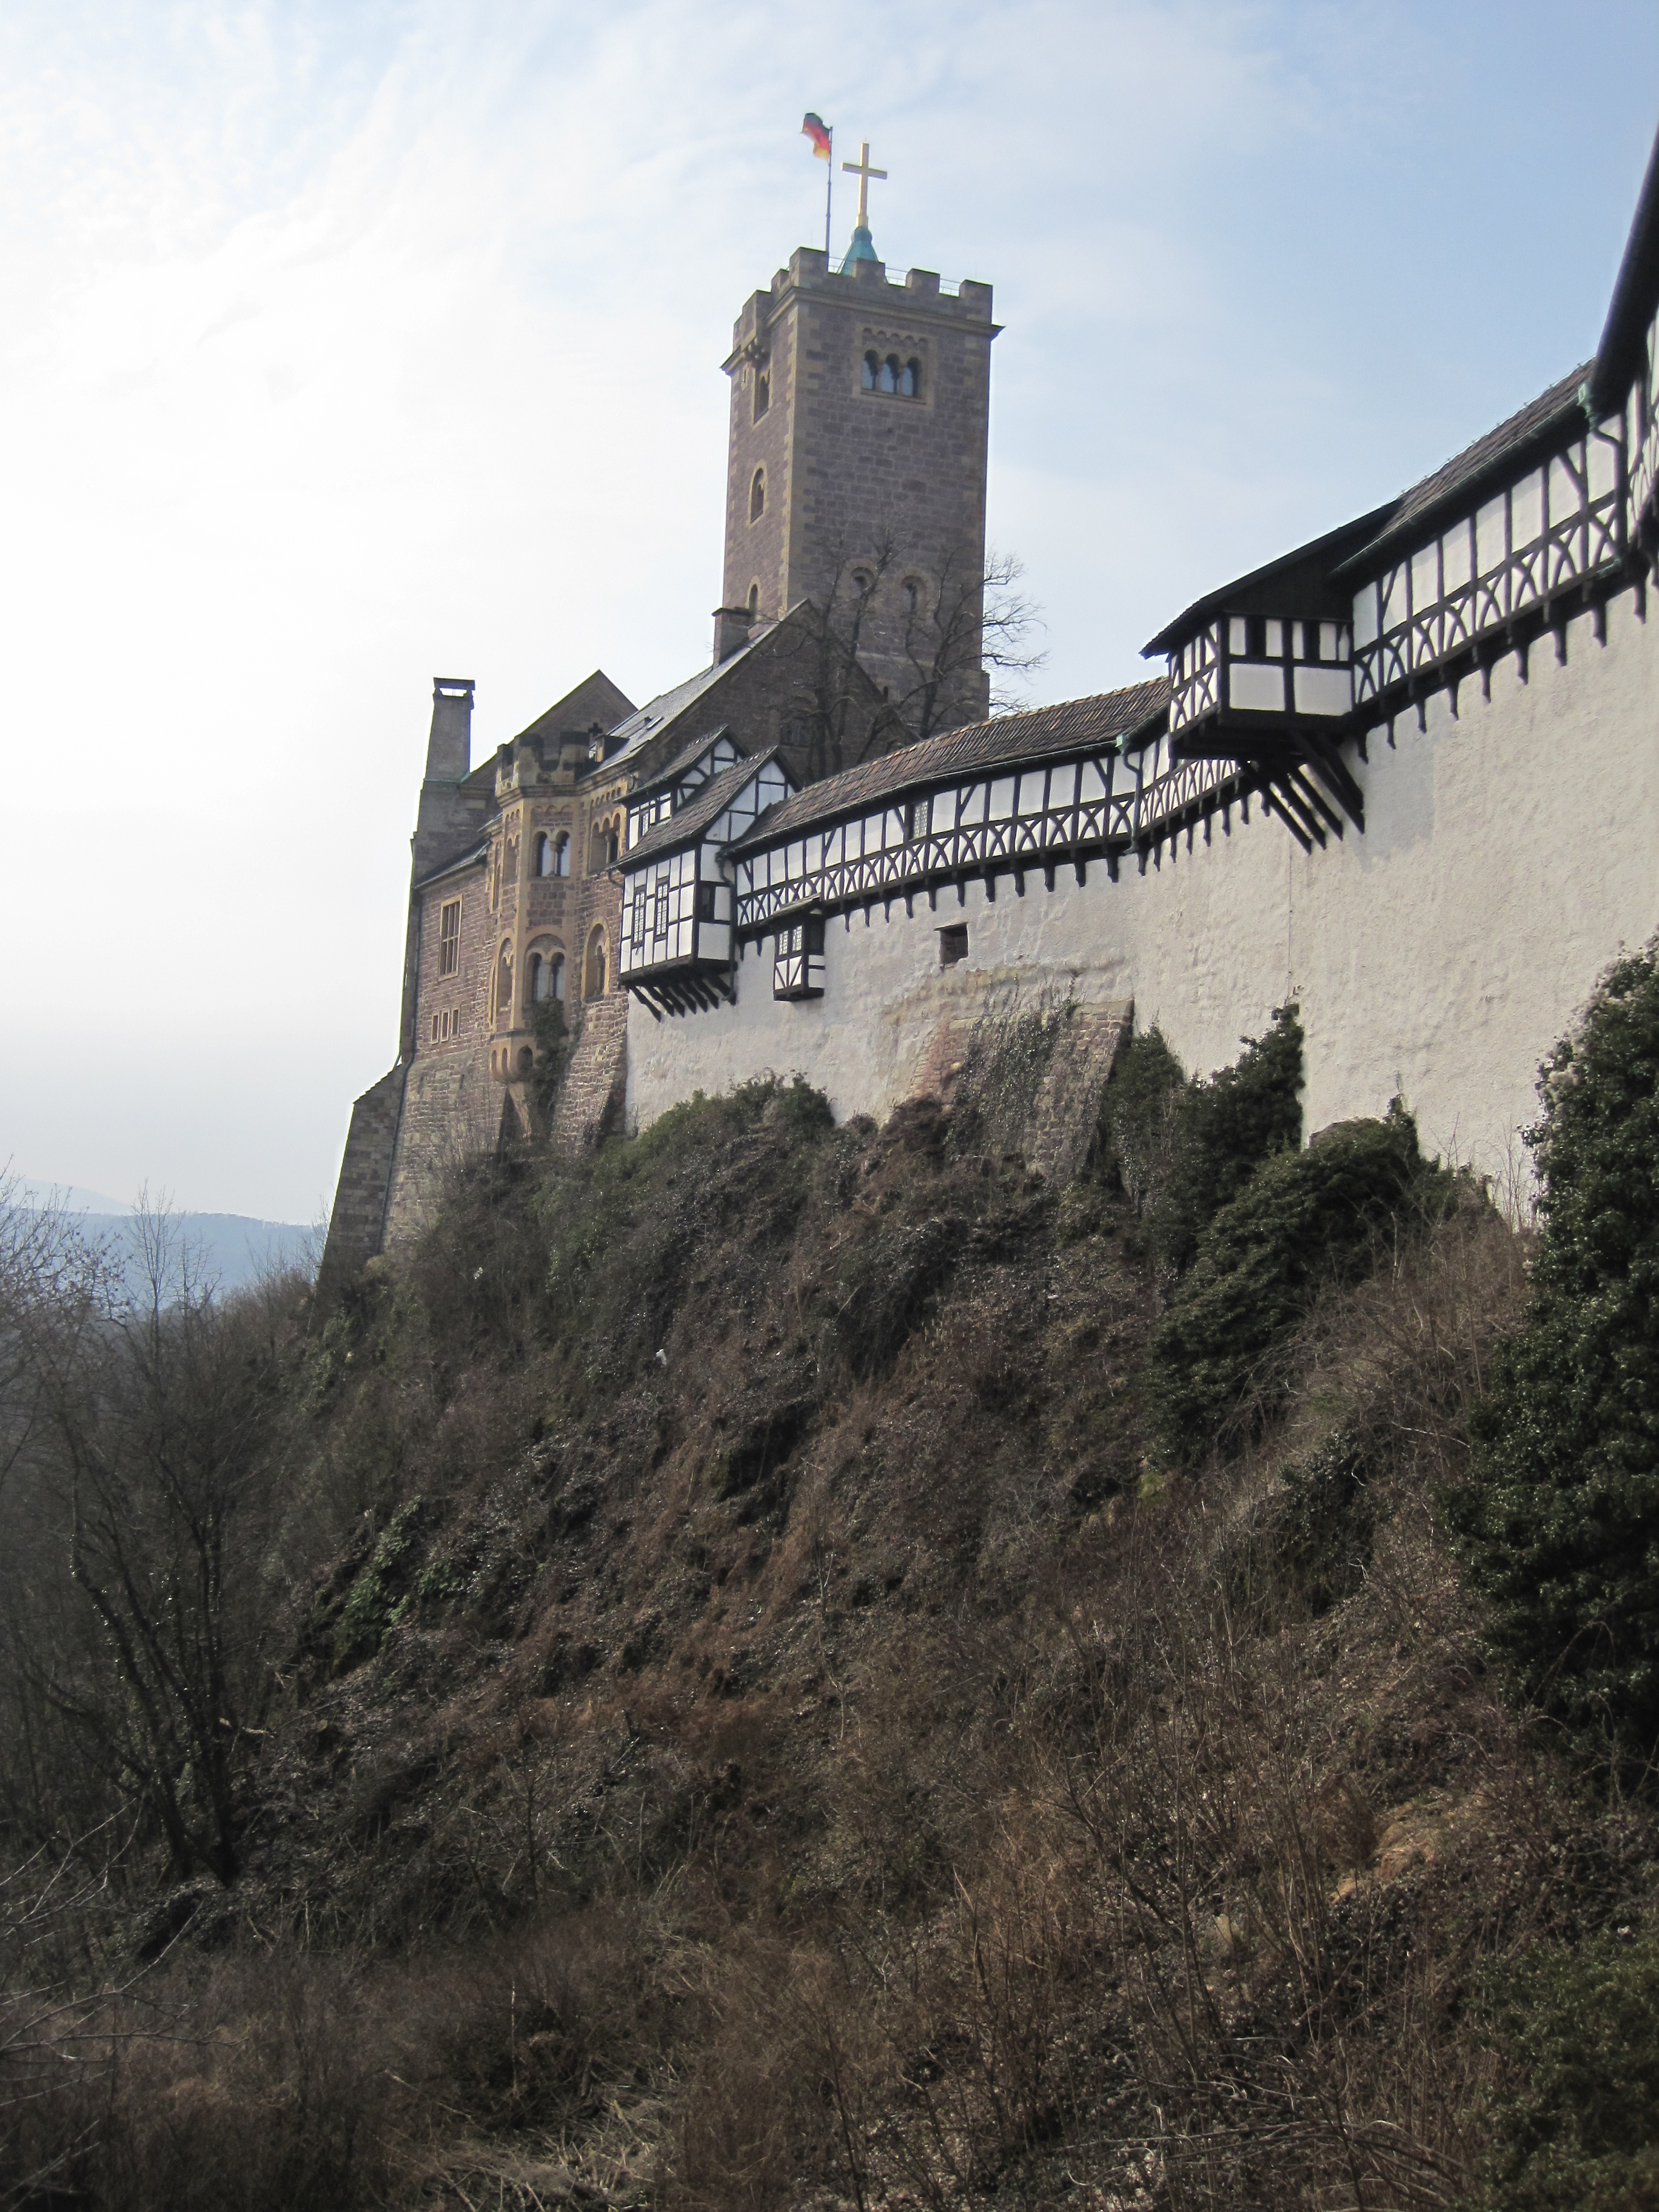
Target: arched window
x,y
910,381
889,379
593,969
612,846
912,596
561,854
754,602
541,857
504,984
757,496
863,582
546,978
871,372
763,392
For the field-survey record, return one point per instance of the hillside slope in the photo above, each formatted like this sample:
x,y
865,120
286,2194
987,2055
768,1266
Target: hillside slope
x,y
768,1695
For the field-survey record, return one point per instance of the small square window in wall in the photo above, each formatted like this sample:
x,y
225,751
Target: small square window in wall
x,y
953,944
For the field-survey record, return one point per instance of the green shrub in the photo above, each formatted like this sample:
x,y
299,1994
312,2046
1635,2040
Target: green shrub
x,y
1574,2121
1137,1116
381,1594
1180,1150
1559,1522
1302,1220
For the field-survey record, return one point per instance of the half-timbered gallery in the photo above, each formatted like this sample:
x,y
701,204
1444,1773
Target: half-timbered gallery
x,y
1406,774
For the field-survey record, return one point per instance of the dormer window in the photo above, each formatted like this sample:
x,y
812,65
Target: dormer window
x,y
763,392
757,496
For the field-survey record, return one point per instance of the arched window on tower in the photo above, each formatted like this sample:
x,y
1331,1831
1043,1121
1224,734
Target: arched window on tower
x,y
757,496
504,987
763,392
889,379
754,603
561,854
541,854
871,372
912,598
910,381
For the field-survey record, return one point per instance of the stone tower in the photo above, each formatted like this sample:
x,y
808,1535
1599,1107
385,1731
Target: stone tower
x,y
856,469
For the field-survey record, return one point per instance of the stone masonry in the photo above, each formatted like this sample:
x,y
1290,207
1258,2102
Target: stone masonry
x,y
845,470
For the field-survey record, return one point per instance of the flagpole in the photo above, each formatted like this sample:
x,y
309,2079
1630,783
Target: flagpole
x,y
829,187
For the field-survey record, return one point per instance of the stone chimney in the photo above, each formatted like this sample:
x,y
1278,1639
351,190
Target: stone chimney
x,y
730,632
449,747
443,819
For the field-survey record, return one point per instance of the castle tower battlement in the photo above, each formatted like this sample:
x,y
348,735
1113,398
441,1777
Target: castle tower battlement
x,y
856,468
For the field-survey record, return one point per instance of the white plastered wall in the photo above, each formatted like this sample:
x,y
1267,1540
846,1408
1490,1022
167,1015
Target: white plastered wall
x,y
1509,853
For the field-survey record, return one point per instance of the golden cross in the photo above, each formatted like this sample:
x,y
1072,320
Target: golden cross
x,y
863,172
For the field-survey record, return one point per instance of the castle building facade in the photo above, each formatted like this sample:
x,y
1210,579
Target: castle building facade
x,y
1406,774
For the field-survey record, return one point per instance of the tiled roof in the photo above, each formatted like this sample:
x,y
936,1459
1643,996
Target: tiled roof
x,y
1071,726
1486,458
695,817
473,856
653,718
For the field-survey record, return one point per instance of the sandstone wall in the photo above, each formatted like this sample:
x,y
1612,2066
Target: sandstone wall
x,y
359,1198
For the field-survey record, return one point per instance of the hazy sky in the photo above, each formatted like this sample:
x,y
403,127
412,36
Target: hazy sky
x,y
345,345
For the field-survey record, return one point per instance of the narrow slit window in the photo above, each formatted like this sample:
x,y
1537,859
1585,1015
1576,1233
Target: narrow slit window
x,y
763,392
757,496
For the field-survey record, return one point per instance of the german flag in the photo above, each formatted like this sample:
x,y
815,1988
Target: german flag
x,y
815,128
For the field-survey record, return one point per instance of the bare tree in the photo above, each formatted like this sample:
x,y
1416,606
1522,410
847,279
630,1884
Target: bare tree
x,y
149,1439
931,644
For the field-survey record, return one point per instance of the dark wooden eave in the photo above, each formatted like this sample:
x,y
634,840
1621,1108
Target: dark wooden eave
x,y
1635,295
1297,583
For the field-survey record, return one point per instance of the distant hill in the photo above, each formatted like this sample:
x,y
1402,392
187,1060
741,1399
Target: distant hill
x,y
231,1249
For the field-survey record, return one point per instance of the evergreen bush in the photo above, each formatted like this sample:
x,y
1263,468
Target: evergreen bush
x,y
1302,1220
1559,1522
1180,1150
1573,2122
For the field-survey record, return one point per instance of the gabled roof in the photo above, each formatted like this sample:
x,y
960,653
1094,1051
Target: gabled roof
x,y
1635,295
694,818
1494,456
1305,565
1045,732
595,702
687,758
